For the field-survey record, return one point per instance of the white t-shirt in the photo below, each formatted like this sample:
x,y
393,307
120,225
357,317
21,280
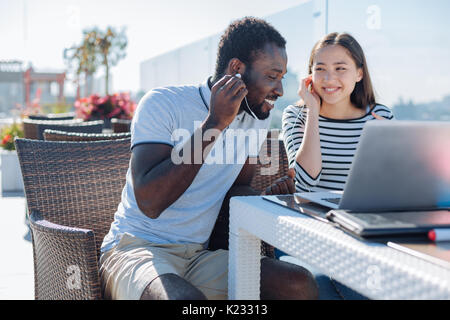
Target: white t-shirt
x,y
170,115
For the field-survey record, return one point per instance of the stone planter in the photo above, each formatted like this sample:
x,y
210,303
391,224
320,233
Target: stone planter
x,y
11,174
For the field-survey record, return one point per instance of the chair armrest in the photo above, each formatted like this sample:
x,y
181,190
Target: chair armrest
x,y
65,261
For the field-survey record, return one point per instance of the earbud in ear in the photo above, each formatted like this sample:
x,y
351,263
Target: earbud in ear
x,y
238,75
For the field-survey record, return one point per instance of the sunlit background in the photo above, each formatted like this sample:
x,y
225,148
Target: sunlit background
x,y
407,45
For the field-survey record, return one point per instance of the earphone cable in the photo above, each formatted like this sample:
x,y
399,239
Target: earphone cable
x,y
300,112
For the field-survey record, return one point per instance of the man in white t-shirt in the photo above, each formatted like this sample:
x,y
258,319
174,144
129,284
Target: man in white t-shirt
x,y
190,147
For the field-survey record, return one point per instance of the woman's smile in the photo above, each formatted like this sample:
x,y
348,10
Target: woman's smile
x,y
331,90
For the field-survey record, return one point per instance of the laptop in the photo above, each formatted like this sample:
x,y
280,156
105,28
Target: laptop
x,y
398,165
399,181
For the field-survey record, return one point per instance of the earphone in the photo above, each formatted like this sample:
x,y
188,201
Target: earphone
x,y
238,75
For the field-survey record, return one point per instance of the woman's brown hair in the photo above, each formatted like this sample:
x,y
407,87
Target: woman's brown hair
x,y
363,94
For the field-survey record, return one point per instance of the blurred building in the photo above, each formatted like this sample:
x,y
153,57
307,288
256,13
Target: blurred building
x,y
193,63
99,84
19,85
406,43
11,86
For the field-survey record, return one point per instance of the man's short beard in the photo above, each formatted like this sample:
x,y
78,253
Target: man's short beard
x,y
256,109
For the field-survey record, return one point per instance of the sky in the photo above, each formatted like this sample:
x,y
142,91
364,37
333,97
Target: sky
x,y
37,31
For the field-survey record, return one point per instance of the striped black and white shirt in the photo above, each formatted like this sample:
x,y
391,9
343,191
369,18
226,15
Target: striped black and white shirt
x,y
338,141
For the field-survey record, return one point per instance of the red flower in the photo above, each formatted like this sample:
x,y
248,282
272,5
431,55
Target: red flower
x,y
117,105
6,139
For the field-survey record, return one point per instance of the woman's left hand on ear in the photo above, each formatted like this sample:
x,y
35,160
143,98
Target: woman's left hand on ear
x,y
377,116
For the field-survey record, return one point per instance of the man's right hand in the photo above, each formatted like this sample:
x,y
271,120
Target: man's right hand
x,y
226,97
283,185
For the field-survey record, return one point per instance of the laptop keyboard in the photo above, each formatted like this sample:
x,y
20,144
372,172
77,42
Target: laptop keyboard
x,y
333,200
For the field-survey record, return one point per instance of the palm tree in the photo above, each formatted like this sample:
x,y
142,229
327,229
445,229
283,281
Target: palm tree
x,y
111,47
83,58
99,47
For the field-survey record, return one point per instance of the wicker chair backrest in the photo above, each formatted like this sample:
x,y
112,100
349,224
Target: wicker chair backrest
x,y
55,135
272,162
86,127
120,125
53,116
30,126
75,184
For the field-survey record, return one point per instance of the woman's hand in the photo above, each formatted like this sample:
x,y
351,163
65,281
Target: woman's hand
x,y
308,95
283,185
377,116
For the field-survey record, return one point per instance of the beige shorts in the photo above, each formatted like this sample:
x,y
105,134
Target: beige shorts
x,y
127,269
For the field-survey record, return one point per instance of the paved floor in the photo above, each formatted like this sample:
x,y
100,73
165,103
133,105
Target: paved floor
x,y
16,267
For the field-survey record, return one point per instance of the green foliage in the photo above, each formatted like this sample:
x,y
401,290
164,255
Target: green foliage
x,y
98,48
8,134
57,107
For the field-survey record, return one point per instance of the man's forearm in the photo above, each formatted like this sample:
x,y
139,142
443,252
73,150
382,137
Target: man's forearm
x,y
169,180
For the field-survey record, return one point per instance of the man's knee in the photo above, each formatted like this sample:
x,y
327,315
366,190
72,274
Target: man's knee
x,y
283,280
171,287
304,285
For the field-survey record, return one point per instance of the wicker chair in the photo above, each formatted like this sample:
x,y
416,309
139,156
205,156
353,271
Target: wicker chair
x,y
273,164
72,191
55,135
120,125
53,116
30,126
85,127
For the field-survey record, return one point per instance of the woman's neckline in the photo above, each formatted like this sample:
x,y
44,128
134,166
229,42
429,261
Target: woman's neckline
x,y
351,119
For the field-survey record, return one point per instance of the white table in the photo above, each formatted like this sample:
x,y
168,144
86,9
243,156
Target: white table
x,y
373,269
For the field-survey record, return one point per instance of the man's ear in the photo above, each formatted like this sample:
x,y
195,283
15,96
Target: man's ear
x,y
235,66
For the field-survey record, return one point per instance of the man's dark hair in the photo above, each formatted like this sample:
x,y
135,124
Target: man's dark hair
x,y
243,39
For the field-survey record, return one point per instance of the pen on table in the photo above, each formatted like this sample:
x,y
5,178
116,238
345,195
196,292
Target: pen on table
x,y
439,234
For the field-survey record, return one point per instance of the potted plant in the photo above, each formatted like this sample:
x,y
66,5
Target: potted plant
x,y
94,107
10,167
